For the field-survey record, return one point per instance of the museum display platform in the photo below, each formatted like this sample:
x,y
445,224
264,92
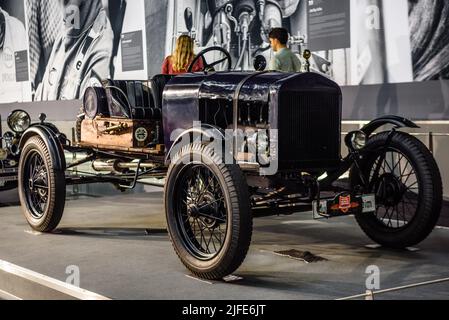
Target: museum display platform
x,y
120,247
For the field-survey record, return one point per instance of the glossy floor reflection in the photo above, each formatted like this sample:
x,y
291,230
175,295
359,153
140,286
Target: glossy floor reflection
x,y
121,247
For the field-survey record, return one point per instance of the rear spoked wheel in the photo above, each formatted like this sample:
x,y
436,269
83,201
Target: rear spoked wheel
x,y
407,183
397,189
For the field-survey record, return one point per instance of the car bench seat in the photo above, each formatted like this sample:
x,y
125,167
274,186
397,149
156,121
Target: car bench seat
x,y
135,100
131,99
157,85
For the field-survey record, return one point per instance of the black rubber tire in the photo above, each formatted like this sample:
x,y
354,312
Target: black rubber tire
x,y
56,191
240,223
430,193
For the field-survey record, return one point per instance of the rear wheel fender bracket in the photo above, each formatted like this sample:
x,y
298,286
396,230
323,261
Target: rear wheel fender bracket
x,y
398,122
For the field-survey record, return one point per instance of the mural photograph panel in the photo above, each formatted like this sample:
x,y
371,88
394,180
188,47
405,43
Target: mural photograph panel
x,y
77,43
14,57
60,47
354,42
429,29
241,27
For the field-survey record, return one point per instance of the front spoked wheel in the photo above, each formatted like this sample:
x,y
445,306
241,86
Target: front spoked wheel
x,y
208,212
201,211
404,176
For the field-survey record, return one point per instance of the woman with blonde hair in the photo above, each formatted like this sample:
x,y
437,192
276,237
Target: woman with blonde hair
x,y
181,58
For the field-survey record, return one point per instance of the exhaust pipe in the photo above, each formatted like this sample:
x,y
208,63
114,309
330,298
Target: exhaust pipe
x,y
118,166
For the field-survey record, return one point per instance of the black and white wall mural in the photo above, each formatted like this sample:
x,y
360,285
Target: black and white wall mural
x,y
354,42
82,42
60,47
68,45
429,35
14,55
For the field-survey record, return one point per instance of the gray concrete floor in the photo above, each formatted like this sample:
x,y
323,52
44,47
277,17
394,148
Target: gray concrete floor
x,y
105,237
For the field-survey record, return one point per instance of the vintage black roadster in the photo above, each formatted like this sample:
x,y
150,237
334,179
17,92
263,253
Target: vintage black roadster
x,y
233,146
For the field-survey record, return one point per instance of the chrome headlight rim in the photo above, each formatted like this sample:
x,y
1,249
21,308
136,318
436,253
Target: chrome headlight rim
x,y
358,140
15,117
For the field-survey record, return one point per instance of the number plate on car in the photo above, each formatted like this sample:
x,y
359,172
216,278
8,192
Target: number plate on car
x,y
344,204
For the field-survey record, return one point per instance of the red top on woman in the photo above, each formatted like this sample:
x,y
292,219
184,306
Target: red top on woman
x,y
167,67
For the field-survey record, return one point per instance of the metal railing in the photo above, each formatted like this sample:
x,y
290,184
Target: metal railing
x,y
370,294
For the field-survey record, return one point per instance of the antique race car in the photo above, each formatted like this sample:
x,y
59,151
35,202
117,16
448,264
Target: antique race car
x,y
233,146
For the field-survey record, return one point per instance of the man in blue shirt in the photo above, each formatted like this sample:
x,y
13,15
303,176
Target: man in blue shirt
x,y
284,59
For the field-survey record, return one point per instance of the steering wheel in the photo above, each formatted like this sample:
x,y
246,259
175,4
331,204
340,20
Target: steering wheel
x,y
209,66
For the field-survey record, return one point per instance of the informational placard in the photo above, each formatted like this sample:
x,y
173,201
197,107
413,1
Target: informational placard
x,y
131,62
132,51
329,25
22,70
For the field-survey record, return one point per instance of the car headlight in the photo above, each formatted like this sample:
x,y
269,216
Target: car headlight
x,y
358,140
95,102
19,121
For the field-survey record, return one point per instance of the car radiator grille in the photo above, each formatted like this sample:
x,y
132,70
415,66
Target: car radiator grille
x,y
309,129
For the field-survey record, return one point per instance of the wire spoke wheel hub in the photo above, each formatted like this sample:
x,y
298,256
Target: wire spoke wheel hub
x,y
37,191
396,188
201,211
42,184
